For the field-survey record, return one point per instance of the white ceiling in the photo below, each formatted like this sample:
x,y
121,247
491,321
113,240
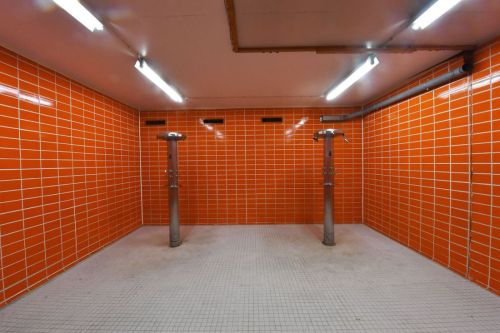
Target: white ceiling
x,y
187,42
320,22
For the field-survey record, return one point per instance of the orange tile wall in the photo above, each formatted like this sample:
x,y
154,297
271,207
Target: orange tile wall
x,y
69,173
247,172
418,157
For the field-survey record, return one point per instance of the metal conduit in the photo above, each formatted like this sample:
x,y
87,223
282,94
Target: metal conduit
x,y
173,185
460,72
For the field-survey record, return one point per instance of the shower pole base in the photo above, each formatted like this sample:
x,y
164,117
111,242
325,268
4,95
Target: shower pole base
x,y
328,243
175,244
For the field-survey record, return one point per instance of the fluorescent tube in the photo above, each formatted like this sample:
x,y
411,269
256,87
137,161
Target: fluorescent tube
x,y
438,9
76,9
361,71
144,68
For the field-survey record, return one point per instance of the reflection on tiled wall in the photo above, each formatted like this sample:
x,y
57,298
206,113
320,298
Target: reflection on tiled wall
x,y
69,173
246,171
418,157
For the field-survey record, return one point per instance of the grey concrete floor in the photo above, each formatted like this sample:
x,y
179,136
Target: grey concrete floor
x,y
255,279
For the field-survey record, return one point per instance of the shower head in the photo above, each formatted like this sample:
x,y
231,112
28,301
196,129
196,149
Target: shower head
x,y
171,136
329,132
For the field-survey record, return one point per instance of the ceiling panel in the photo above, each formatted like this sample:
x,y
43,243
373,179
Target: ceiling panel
x,y
187,42
320,22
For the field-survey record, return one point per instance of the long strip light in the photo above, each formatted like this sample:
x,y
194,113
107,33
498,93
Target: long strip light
x,y
144,68
361,71
438,9
79,12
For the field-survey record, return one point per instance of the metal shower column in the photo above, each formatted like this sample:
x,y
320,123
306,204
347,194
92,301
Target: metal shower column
x,y
328,171
173,185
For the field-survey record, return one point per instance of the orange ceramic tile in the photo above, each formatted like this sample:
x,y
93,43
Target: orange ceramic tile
x,y
437,159
70,173
38,172
266,167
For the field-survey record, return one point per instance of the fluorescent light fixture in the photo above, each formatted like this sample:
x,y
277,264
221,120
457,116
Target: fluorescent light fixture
x,y
361,71
438,9
76,9
144,68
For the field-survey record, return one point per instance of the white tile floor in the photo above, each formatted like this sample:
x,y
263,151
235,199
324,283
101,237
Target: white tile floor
x,y
256,279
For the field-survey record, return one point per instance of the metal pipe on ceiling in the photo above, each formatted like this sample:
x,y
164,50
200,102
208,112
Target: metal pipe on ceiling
x,y
352,49
464,70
